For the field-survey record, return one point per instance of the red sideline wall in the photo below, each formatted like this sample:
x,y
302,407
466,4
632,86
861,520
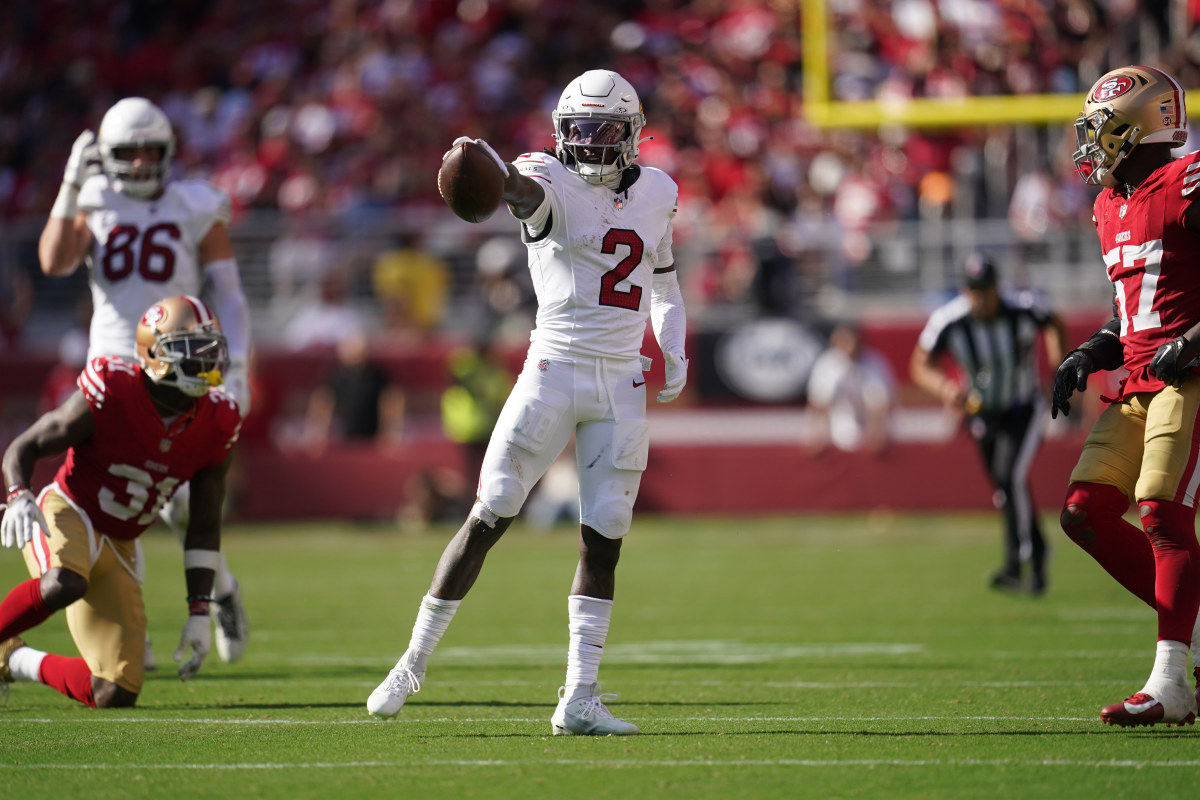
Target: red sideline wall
x,y
370,482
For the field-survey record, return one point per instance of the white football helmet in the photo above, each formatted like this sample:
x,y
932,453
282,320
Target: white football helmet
x,y
1127,107
597,125
180,344
132,123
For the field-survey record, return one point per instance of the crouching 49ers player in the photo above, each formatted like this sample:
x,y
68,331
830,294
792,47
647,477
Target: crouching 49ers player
x,y
1146,443
599,233
133,433
145,236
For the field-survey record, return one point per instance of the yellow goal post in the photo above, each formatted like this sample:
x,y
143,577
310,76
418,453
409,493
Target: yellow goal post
x,y
821,110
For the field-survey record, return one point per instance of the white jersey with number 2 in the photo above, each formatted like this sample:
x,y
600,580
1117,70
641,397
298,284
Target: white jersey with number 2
x,y
143,251
592,263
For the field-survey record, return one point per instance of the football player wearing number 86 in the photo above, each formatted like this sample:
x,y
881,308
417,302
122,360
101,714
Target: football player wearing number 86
x,y
598,228
144,237
133,434
1145,445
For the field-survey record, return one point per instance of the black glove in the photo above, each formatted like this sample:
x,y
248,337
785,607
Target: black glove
x,y
1071,376
1165,365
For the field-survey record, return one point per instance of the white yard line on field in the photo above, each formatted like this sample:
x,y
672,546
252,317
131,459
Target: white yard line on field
x,y
104,720
607,764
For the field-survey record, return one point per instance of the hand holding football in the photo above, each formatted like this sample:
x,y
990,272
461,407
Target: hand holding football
x,y
470,181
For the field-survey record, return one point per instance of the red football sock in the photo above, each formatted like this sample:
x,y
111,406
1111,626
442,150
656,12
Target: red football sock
x,y
23,609
1171,529
1091,516
70,676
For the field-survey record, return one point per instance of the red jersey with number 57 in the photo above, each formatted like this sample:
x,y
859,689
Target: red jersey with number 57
x,y
134,460
1153,262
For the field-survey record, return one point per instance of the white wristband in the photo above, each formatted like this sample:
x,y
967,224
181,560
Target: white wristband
x,y
65,204
201,559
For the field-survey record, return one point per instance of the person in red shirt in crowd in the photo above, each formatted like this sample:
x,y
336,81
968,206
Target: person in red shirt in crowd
x,y
133,433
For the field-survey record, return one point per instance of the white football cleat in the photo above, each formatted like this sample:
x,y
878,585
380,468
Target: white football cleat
x,y
391,695
231,626
584,714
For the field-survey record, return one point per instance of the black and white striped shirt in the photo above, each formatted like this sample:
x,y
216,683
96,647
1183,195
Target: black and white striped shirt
x,y
996,356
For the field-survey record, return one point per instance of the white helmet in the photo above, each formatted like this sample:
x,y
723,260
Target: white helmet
x,y
597,125
135,122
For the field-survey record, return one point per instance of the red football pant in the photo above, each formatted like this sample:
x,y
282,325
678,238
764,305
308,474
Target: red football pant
x,y
1171,529
1092,517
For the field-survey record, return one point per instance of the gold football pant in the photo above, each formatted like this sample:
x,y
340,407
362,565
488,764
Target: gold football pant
x,y
108,623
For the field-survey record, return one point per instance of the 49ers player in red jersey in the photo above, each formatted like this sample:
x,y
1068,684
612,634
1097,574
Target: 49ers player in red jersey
x,y
133,433
1146,443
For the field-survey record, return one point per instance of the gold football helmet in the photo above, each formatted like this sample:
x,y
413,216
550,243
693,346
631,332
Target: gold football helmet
x,y
1125,108
180,344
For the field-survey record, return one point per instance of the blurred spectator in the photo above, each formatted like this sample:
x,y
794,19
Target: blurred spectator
x,y
16,302
329,319
60,382
357,401
410,284
851,392
298,261
481,381
266,403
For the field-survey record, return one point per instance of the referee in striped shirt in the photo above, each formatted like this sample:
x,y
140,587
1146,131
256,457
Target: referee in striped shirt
x,y
991,337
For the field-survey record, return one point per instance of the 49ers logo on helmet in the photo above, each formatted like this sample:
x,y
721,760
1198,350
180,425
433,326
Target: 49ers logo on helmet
x,y
153,316
1113,87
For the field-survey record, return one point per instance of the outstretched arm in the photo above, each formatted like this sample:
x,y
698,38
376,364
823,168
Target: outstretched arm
x,y
523,194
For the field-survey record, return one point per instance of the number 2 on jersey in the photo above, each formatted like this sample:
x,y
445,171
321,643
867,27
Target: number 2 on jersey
x,y
149,251
1128,256
610,295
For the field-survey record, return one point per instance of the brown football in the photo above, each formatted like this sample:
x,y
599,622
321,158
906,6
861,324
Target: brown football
x,y
470,182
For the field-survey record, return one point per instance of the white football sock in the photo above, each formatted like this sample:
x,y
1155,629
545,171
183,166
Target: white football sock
x,y
588,618
25,663
433,619
1170,667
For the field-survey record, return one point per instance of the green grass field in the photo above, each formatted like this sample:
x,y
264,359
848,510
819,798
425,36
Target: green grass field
x,y
824,657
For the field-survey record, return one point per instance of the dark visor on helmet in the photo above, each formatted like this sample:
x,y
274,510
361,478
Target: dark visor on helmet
x,y
195,354
595,132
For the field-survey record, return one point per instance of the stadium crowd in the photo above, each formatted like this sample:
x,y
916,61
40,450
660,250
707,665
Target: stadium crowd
x,y
340,110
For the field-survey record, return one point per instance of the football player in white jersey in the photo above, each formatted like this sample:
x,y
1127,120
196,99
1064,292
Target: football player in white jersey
x,y
598,228
145,237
